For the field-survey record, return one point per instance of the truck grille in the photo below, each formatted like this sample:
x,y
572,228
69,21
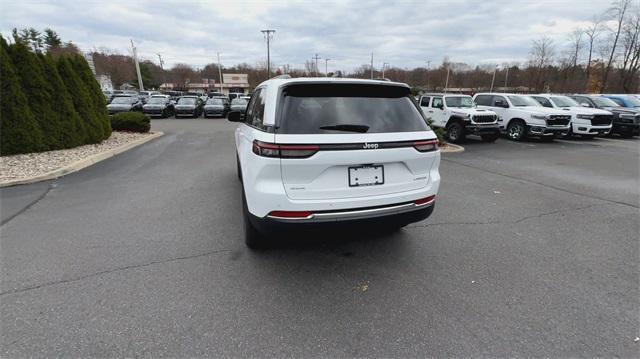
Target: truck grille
x,y
484,118
601,120
558,120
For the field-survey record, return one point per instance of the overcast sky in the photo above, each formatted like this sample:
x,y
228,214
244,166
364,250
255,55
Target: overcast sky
x,y
402,33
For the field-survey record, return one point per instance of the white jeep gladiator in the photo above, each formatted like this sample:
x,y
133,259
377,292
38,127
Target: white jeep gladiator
x,y
521,116
458,115
586,122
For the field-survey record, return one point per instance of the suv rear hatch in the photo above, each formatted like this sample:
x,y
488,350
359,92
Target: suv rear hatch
x,y
355,140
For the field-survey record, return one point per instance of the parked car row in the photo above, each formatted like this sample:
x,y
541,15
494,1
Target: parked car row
x,y
545,116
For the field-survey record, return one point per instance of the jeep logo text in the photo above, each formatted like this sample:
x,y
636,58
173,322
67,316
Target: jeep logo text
x,y
370,146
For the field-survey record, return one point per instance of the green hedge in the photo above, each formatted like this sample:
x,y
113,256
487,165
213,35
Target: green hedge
x,y
130,121
47,103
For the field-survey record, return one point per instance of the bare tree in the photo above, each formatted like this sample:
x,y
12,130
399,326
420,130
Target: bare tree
x,y
542,53
592,32
617,13
631,51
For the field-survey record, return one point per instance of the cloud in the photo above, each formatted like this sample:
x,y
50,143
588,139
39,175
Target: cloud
x,y
404,34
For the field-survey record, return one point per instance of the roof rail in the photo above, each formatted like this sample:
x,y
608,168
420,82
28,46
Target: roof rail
x,y
285,76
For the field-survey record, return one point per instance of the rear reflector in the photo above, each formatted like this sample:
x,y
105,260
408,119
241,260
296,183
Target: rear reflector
x,y
426,200
426,146
283,151
290,214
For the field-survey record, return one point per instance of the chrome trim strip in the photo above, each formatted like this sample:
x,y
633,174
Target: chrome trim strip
x,y
355,214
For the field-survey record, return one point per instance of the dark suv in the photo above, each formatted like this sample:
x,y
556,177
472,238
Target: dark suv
x,y
626,121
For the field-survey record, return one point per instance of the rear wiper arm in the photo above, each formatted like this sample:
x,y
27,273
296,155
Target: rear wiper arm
x,y
347,128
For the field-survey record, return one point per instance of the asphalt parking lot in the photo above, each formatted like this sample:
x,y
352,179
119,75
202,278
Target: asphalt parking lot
x,y
532,251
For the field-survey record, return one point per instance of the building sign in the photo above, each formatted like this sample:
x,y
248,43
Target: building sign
x,y
233,79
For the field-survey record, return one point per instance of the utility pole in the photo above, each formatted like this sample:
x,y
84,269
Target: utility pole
x,y
315,58
428,67
372,65
506,76
494,78
446,83
219,72
135,58
326,66
268,35
384,66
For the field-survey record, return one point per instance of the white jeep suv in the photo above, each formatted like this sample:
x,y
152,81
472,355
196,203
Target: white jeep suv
x,y
313,151
521,116
586,122
459,117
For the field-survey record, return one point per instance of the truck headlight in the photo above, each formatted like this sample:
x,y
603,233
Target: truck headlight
x,y
585,117
539,117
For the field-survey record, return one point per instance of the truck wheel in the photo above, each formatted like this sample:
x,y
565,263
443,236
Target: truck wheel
x,y
490,138
252,238
455,132
516,130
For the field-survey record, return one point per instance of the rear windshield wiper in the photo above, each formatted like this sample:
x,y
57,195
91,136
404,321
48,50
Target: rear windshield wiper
x,y
347,128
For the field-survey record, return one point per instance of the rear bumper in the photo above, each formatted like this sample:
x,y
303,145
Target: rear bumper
x,y
395,215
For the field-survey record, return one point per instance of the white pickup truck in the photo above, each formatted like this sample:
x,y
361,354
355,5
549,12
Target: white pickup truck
x,y
521,116
458,115
586,122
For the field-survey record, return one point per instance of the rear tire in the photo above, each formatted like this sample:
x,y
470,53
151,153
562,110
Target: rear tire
x,y
516,130
252,238
455,132
490,138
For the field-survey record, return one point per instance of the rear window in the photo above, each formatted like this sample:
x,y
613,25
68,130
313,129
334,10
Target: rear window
x,y
347,108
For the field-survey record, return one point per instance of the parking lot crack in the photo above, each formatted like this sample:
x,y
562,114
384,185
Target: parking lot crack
x,y
542,184
519,220
108,271
51,186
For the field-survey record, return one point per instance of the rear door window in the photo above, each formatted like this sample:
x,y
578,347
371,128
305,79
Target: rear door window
x,y
483,100
347,108
437,102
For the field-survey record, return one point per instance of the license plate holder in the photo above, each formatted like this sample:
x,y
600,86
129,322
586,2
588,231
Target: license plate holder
x,y
366,175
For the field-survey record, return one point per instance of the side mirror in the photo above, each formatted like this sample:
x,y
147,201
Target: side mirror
x,y
234,116
501,104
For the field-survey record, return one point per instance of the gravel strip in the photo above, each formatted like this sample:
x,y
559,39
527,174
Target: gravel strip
x,y
35,164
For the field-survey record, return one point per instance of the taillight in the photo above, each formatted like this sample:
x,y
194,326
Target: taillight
x,y
291,214
284,151
426,146
426,200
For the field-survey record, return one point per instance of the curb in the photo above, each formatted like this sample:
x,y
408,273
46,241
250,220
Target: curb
x,y
83,163
453,148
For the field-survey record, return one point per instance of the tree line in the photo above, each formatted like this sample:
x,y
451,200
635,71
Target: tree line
x,y
50,97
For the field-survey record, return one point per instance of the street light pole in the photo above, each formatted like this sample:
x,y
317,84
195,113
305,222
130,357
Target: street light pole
x,y
326,66
372,65
446,83
493,79
506,76
384,66
135,58
268,35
